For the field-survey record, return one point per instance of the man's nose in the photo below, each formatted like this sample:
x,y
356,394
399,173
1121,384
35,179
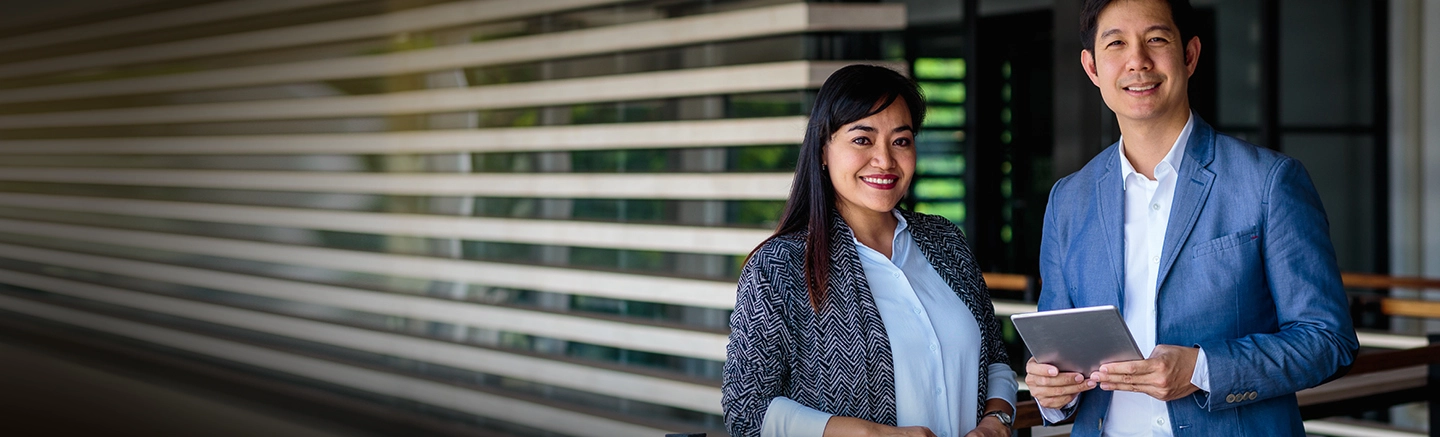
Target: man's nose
x,y
1138,59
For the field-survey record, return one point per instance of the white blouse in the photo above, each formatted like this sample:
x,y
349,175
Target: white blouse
x,y
934,342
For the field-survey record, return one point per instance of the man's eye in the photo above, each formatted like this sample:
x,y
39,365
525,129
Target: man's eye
x,y
1159,40
1114,43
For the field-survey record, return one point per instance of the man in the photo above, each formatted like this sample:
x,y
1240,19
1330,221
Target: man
x,y
1216,251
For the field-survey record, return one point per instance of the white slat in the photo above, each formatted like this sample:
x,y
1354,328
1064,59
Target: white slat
x,y
622,335
677,291
1342,429
779,76
423,18
419,390
726,241
737,186
159,20
617,136
748,23
651,389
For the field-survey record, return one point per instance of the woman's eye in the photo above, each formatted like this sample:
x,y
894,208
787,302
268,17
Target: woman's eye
x,y
861,141
902,142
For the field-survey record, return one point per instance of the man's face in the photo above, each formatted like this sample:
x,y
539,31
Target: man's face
x,y
1139,63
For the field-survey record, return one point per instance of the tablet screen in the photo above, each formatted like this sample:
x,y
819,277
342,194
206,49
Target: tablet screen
x,y
1077,339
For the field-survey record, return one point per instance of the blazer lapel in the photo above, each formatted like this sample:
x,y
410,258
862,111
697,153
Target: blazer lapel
x,y
1108,189
1191,190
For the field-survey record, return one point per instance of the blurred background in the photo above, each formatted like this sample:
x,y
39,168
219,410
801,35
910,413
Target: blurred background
x,y
526,218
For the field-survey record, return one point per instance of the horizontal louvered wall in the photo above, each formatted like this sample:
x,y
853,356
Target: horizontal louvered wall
x,y
529,214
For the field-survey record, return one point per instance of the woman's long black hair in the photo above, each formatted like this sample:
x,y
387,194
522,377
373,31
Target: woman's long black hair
x,y
849,95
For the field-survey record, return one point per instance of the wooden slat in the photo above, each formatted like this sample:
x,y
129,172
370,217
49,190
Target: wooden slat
x,y
1027,415
1007,281
1367,280
1410,308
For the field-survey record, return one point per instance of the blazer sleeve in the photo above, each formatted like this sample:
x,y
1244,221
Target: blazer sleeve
x,y
1054,294
990,325
1316,338
755,371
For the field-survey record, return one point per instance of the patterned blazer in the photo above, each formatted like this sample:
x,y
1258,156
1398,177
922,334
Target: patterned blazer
x,y
837,361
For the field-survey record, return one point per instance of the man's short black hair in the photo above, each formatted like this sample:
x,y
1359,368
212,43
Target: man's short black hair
x,y
1180,12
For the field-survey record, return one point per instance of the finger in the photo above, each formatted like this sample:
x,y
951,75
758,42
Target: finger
x,y
1064,390
1035,368
1062,380
1127,367
1119,378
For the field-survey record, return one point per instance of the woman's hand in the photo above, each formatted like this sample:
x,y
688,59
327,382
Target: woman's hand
x,y
851,427
989,427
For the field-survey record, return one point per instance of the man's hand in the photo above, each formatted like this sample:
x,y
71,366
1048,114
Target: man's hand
x,y
1164,376
1052,389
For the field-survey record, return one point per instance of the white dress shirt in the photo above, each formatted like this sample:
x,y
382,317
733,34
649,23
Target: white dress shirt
x,y
1147,215
934,344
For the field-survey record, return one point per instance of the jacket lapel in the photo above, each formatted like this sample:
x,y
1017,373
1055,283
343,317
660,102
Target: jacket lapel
x,y
1192,188
1111,196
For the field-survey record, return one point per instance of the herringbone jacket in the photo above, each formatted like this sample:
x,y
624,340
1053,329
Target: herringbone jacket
x,y
838,361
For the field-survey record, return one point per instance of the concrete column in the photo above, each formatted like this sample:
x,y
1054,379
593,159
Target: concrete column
x,y
1415,149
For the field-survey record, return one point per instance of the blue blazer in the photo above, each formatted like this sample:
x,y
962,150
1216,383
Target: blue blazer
x,y
1247,273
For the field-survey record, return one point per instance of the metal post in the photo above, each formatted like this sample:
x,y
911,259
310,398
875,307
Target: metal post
x,y
1270,74
1432,382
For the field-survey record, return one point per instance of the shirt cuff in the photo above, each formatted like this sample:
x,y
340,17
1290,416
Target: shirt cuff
x,y
1053,415
1201,376
1002,384
785,417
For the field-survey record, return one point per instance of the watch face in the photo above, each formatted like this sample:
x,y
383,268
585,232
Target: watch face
x,y
1003,416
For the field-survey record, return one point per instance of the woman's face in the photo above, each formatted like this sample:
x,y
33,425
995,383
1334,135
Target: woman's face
x,y
871,161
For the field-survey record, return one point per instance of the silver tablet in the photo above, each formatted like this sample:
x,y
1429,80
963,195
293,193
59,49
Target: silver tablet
x,y
1077,339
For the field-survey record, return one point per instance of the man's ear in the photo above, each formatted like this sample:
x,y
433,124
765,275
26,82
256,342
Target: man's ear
x,y
1087,62
1192,54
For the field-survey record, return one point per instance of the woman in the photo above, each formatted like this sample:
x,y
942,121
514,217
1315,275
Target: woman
x,y
857,318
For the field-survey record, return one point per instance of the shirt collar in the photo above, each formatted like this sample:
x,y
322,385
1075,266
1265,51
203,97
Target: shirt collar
x,y
901,225
1172,159
898,251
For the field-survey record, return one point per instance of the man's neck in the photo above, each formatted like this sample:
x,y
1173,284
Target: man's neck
x,y
1146,142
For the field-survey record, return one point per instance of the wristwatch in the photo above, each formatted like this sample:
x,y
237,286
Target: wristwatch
x,y
1005,418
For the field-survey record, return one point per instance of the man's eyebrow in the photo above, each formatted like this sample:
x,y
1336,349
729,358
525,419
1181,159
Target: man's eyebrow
x,y
1160,27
